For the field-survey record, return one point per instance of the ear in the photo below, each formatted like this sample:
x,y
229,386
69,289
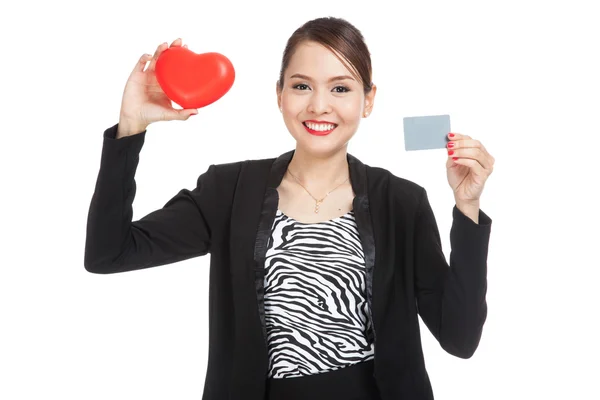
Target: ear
x,y
278,91
370,99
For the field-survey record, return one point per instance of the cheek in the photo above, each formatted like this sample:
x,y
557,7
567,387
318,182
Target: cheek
x,y
294,104
288,97
350,110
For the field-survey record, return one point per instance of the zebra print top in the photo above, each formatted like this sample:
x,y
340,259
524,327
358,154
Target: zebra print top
x,y
315,301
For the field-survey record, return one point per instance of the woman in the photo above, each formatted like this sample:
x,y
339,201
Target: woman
x,y
319,263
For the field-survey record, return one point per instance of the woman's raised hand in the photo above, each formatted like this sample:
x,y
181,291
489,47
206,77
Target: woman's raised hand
x,y
144,102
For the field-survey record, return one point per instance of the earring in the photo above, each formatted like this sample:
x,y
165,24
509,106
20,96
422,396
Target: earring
x,y
366,113
281,109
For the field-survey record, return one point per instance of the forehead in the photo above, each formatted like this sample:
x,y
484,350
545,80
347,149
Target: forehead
x,y
316,61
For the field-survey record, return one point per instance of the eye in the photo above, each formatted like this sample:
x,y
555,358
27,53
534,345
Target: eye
x,y
344,89
298,86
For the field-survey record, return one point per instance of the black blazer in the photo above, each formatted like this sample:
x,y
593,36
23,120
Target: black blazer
x,y
229,215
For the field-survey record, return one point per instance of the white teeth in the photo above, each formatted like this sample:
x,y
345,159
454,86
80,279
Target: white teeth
x,y
320,127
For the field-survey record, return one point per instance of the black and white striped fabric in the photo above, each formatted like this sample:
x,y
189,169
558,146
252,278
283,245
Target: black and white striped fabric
x,y
315,297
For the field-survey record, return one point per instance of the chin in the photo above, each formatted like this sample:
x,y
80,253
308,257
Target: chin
x,y
320,146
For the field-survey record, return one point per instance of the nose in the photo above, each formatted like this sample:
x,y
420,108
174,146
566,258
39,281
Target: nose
x,y
319,102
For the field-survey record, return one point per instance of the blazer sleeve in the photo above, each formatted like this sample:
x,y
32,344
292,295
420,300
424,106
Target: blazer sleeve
x,y
178,231
451,299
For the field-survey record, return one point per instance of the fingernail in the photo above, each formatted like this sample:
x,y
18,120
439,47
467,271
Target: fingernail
x,y
451,134
450,144
455,158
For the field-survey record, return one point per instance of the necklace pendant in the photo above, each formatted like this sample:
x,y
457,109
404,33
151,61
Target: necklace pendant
x,y
317,205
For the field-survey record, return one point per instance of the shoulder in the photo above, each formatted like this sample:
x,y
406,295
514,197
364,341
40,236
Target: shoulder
x,y
220,181
229,173
396,187
233,169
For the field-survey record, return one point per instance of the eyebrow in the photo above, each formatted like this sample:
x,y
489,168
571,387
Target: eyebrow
x,y
335,78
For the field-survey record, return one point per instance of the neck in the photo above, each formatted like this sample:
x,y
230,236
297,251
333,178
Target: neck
x,y
319,173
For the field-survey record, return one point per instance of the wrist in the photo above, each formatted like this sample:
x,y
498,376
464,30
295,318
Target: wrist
x,y
127,128
467,203
469,209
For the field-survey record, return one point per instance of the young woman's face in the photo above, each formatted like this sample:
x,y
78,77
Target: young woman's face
x,y
322,103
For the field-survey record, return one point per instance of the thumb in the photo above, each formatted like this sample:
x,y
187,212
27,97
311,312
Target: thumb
x,y
184,114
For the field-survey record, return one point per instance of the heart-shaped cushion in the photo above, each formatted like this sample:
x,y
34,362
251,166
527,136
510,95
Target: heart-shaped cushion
x,y
193,80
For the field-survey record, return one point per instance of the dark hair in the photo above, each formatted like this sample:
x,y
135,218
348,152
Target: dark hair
x,y
339,36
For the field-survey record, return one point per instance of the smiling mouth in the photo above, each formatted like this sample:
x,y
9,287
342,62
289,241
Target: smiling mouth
x,y
319,129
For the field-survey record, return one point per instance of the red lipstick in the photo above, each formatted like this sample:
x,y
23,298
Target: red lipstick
x,y
318,133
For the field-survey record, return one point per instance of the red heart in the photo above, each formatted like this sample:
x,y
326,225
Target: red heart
x,y
193,80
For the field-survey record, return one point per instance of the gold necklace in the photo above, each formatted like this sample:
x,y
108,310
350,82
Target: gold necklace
x,y
317,202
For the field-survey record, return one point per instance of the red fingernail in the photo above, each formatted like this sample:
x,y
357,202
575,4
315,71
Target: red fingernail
x,y
450,152
455,158
450,144
451,135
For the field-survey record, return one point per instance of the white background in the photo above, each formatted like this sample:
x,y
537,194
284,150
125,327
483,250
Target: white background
x,y
520,76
